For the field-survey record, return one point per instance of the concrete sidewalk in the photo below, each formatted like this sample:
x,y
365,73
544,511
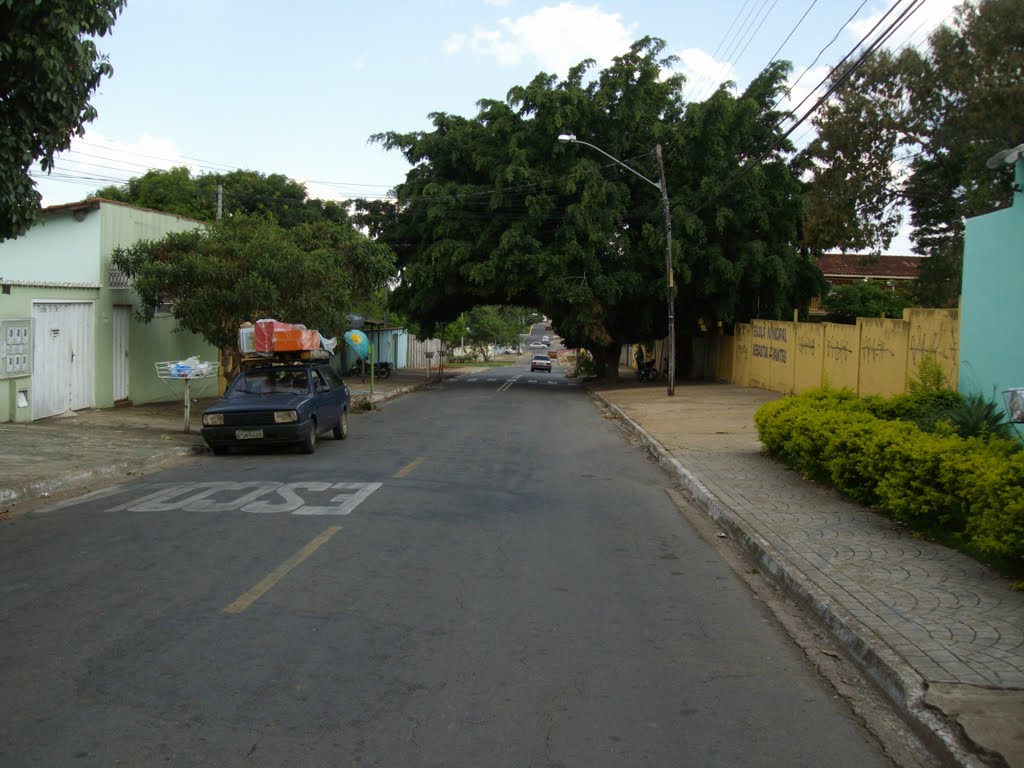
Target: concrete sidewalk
x,y
939,633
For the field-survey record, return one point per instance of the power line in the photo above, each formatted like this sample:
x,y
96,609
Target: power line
x,y
828,45
775,55
885,35
728,32
731,63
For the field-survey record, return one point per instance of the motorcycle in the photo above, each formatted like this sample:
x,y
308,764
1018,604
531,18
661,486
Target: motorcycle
x,y
381,369
646,370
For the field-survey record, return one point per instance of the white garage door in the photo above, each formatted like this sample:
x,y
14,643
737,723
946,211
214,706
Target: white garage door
x,y
63,375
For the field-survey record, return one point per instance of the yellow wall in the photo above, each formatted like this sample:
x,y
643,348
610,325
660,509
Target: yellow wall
x,y
772,351
809,353
883,356
935,333
839,368
875,356
742,337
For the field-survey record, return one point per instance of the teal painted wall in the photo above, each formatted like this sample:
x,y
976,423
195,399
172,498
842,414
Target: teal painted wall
x,y
992,310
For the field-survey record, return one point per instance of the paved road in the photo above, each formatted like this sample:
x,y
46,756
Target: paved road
x,y
465,581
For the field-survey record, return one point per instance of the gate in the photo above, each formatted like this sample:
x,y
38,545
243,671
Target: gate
x,y
63,375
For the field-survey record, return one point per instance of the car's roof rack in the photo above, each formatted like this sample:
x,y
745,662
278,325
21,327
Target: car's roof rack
x,y
270,359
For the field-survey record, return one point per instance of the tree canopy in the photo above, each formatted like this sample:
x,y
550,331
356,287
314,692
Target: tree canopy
x,y
49,69
864,298
486,325
248,192
915,129
247,267
496,211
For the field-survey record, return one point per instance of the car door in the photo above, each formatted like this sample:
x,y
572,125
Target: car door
x,y
331,396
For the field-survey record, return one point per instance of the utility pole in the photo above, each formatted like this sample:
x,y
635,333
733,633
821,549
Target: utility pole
x,y
669,272
220,201
669,276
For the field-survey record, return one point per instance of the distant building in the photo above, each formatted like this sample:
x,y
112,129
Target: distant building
x,y
846,268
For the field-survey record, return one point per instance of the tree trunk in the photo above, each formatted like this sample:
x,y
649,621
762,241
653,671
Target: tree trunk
x,y
230,364
606,361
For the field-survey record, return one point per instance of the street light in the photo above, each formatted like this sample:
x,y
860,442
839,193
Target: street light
x,y
570,138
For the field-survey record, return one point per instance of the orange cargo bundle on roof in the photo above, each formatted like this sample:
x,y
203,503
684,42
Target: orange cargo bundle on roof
x,y
263,333
295,339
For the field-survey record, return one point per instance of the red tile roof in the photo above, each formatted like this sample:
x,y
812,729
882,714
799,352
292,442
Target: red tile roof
x,y
856,265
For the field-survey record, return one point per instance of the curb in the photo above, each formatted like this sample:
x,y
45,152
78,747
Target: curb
x,y
68,480
900,683
363,399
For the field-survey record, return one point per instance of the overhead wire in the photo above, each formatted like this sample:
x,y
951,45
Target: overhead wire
x,y
698,86
792,32
885,35
828,45
736,59
744,39
907,42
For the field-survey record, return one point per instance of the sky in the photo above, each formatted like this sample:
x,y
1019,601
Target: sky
x,y
299,88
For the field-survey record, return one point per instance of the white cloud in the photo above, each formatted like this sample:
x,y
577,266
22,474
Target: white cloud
x,y
554,37
703,73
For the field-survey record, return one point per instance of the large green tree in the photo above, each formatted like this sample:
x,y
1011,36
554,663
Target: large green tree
x,y
495,210
177,191
742,209
49,68
916,129
248,267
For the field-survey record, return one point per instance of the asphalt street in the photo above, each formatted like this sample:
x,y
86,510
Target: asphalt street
x,y
485,573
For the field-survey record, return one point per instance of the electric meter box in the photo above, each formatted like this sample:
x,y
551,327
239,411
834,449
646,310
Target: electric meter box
x,y
15,348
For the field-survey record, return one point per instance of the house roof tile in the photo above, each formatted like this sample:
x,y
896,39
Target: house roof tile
x,y
857,265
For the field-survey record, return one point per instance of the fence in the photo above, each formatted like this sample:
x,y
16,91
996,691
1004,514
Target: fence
x,y
416,356
876,356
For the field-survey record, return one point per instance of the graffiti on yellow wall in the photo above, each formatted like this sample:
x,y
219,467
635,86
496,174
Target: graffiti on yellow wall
x,y
875,356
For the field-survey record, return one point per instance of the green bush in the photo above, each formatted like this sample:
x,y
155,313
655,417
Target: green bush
x,y
977,416
964,490
996,528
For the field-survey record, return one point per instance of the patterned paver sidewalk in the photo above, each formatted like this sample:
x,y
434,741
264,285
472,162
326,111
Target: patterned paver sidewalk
x,y
938,631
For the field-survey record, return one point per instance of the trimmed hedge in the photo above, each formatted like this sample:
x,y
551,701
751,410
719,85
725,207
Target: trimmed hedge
x,y
969,491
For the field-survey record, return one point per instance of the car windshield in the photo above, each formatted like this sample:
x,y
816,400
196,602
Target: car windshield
x,y
543,358
272,381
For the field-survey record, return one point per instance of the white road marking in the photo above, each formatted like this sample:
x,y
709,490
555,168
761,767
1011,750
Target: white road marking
x,y
257,497
508,384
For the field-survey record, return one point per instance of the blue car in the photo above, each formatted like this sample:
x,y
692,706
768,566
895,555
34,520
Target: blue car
x,y
290,403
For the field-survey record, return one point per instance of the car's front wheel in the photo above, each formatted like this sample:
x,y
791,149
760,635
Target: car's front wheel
x,y
309,442
341,429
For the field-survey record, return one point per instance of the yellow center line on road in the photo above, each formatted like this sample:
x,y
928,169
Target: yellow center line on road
x,y
266,584
409,467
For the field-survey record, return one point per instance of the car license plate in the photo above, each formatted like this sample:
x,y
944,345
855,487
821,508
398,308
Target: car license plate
x,y
248,434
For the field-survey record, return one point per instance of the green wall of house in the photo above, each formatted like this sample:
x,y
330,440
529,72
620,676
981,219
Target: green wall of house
x,y
992,312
